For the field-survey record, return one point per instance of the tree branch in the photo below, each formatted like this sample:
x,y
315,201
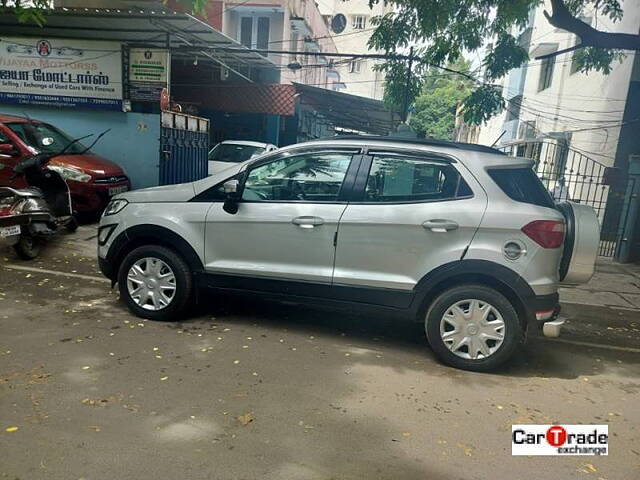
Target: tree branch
x,y
560,52
589,36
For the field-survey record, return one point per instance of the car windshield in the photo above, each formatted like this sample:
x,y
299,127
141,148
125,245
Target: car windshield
x,y
45,138
234,153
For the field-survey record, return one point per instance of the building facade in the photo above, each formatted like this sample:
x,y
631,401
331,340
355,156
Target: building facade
x,y
550,99
349,23
580,128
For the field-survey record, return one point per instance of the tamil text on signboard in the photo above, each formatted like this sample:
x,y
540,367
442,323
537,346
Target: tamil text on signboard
x,y
61,72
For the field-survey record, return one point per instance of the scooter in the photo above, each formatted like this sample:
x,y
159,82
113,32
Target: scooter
x,y
30,215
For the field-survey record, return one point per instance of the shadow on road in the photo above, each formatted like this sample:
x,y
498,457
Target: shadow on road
x,y
538,358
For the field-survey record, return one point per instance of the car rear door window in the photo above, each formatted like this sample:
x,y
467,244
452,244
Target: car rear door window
x,y
308,177
522,185
401,179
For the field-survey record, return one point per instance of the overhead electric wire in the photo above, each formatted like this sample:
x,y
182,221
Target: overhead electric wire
x,y
337,35
558,116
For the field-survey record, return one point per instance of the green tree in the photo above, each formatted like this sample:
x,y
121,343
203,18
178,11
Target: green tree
x,y
435,107
448,28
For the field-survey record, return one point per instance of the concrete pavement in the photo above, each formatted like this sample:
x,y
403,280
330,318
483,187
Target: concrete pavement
x,y
614,285
248,389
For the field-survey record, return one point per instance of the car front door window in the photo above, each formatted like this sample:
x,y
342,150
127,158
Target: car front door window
x,y
309,177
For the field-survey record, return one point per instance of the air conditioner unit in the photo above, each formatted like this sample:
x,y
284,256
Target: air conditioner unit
x,y
224,73
527,130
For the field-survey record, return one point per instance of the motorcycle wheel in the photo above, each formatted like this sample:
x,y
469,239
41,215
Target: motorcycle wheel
x,y
72,226
28,247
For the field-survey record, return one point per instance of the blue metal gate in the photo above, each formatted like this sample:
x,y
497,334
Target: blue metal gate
x,y
184,145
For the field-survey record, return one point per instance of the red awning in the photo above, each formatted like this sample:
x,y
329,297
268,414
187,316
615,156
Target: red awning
x,y
340,109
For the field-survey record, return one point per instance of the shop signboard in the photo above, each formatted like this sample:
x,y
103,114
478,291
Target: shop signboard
x,y
148,73
61,72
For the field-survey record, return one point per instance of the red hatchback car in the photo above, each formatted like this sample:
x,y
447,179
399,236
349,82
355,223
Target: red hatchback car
x,y
92,180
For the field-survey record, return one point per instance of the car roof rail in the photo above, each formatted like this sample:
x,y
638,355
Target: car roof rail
x,y
419,141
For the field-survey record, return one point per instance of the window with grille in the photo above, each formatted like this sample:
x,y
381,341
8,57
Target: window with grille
x,y
359,22
546,73
254,32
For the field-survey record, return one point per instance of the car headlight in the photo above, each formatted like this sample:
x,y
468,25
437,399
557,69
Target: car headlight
x,y
115,206
71,173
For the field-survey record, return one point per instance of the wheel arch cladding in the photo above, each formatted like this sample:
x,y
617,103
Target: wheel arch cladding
x,y
483,272
140,235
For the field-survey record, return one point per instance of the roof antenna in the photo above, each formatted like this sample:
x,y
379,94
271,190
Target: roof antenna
x,y
498,139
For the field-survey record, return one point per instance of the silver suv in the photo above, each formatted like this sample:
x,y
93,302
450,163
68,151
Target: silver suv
x,y
458,236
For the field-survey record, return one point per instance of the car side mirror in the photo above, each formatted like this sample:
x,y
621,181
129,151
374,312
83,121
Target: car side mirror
x,y
8,149
231,189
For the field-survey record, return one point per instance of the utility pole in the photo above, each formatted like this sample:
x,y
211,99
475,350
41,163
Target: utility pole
x,y
407,88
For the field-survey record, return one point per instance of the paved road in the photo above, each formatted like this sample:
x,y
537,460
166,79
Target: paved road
x,y
247,390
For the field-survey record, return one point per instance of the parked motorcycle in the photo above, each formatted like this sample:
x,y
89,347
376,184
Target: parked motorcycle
x,y
30,215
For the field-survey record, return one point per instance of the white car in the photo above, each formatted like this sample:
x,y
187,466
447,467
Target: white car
x,y
232,152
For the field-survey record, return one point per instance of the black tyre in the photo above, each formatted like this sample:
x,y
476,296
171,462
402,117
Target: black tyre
x,y
473,327
28,247
155,283
72,226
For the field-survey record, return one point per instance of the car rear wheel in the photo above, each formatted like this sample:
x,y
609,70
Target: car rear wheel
x,y
155,283
473,327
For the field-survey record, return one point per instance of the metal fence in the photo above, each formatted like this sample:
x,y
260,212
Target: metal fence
x,y
184,145
571,175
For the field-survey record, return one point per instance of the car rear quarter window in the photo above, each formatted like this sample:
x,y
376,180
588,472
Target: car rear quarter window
x,y
522,185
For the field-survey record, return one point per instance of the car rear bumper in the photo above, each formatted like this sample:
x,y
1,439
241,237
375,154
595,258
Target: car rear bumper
x,y
544,314
544,307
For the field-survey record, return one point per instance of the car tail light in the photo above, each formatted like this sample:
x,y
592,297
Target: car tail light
x,y
546,233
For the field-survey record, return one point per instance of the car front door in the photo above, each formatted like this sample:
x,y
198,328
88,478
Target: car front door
x,y
411,213
287,219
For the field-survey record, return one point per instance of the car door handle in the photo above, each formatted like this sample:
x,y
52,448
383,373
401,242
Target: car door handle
x,y
440,225
307,221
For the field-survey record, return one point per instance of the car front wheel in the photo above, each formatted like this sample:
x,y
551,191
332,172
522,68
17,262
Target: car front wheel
x,y
155,283
473,327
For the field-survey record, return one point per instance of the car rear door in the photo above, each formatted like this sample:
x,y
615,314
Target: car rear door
x,y
411,213
287,218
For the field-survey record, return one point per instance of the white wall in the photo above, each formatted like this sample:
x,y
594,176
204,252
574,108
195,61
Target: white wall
x,y
589,106
367,83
